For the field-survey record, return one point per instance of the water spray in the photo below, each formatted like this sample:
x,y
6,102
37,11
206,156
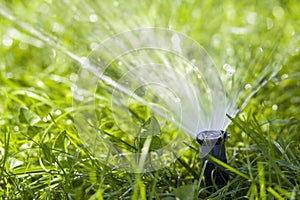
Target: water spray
x,y
194,76
213,144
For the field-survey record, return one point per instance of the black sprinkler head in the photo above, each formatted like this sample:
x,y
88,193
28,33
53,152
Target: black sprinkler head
x,y
213,143
213,137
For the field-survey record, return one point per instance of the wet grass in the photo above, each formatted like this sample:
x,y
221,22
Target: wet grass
x,y
41,154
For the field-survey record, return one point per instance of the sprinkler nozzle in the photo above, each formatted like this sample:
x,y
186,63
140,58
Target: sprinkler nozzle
x,y
213,143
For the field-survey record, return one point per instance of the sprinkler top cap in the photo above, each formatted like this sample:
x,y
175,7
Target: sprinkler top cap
x,y
213,137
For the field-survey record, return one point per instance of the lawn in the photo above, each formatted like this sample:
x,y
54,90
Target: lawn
x,y
49,135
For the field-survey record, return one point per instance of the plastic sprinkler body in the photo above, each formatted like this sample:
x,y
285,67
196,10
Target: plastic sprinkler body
x,y
213,143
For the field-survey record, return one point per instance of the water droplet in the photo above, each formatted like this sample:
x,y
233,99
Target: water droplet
x,y
278,12
25,146
229,69
48,118
40,83
284,76
274,107
57,28
56,79
7,41
73,77
269,23
68,122
199,76
195,69
108,80
16,128
54,52
73,87
239,30
93,18
58,112
9,75
251,17
120,63
74,8
116,3
177,100
85,61
248,86
13,33
260,50
208,90
289,30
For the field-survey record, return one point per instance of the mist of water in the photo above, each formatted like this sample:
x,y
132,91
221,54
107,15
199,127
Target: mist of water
x,y
162,69
178,78
198,106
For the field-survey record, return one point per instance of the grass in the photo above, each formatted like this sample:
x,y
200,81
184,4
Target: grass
x,y
41,153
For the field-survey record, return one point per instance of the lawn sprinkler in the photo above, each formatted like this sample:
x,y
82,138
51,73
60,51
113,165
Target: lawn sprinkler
x,y
213,144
